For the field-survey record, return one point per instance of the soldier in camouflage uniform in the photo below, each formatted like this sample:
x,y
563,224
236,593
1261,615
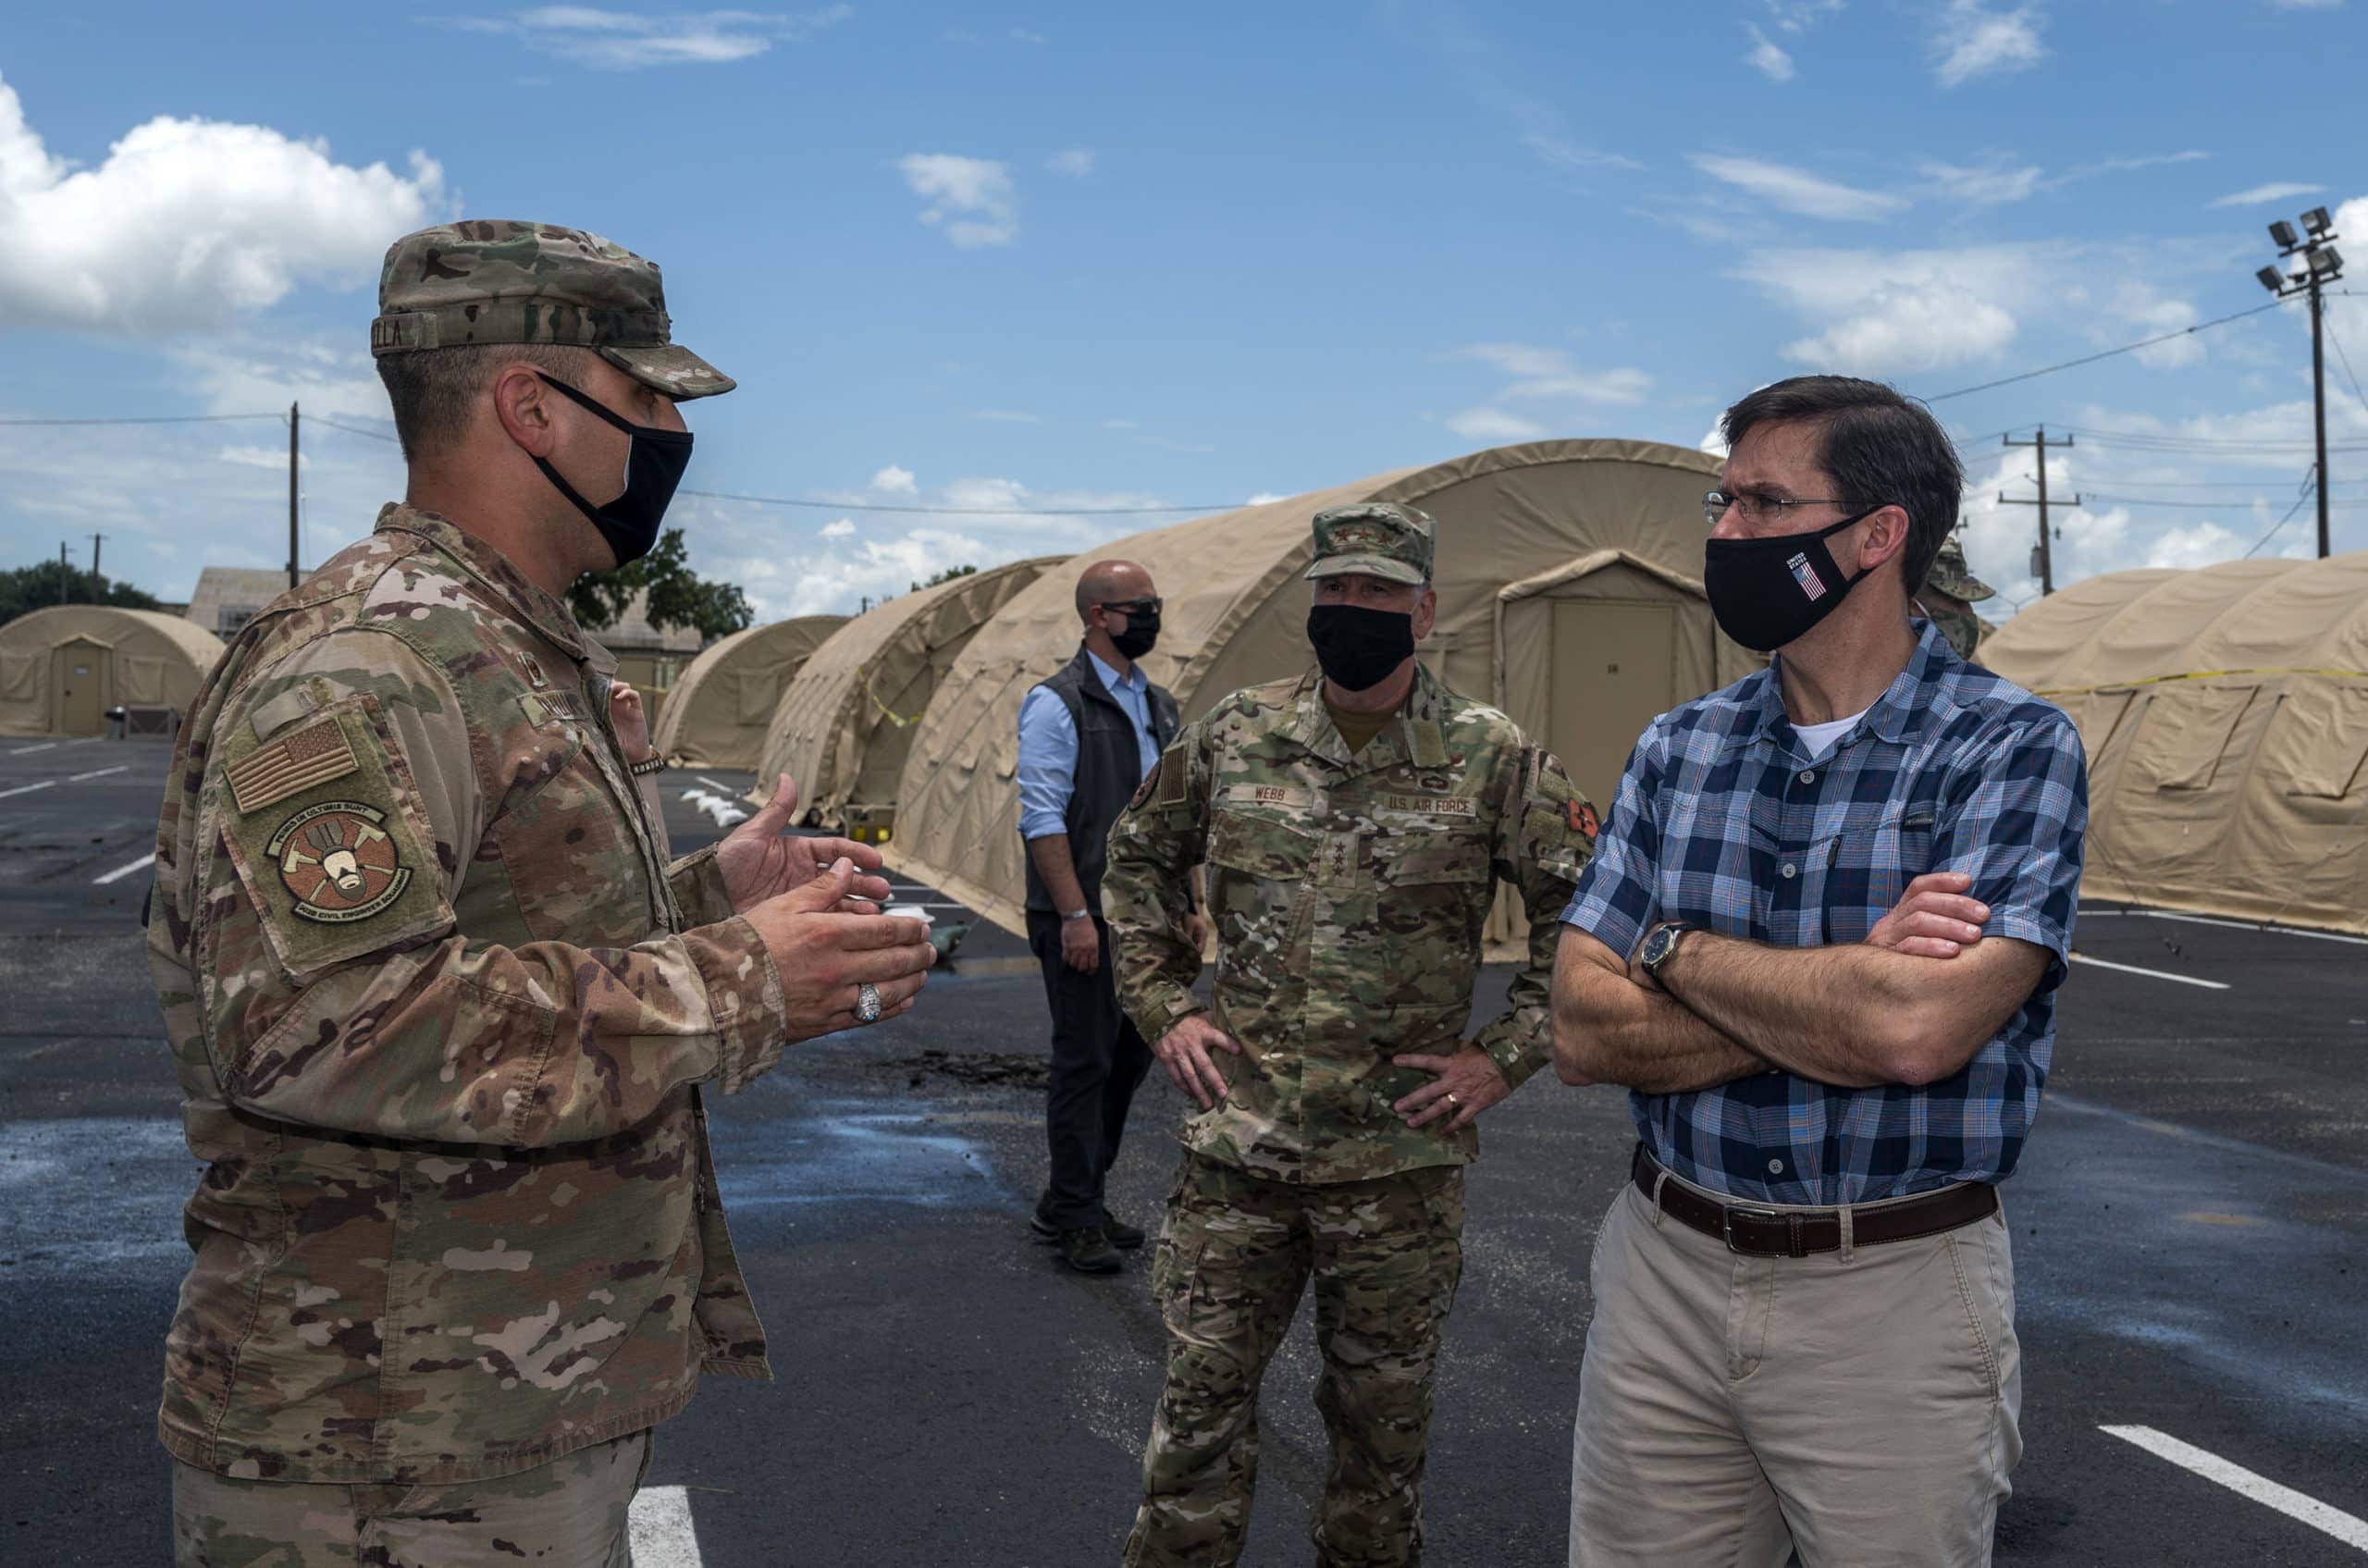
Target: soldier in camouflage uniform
x,y
1950,590
1355,823
442,1008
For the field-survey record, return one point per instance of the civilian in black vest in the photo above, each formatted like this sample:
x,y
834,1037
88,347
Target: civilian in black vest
x,y
1088,738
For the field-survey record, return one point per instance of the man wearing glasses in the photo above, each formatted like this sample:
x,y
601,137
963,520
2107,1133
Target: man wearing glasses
x,y
1819,941
1087,738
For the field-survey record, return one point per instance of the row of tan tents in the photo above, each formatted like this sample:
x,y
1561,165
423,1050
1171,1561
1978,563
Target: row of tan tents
x,y
2225,709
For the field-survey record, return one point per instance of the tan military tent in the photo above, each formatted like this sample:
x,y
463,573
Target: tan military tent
x,y
2225,716
717,713
1568,576
844,724
61,669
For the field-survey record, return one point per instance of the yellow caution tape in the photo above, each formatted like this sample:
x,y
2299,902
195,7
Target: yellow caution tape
x,y
885,711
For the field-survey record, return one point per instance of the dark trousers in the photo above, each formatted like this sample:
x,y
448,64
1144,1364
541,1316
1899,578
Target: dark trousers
x,y
1099,1061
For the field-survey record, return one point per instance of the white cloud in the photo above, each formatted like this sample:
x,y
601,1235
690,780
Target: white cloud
x,y
188,223
1901,312
972,199
1797,190
842,529
1548,372
2153,314
273,458
1266,497
2278,191
1005,417
1971,41
893,481
1494,426
1765,57
586,35
1798,16
1564,152
1075,161
1993,183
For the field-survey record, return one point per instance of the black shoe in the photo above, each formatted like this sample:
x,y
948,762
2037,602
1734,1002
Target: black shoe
x,y
1121,1234
1045,1229
1087,1251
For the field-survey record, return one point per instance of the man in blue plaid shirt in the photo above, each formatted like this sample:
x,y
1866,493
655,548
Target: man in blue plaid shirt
x,y
1819,941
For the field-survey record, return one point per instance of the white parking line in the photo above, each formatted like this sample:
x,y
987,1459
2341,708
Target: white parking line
x,y
2350,1531
2151,974
121,871
28,750
663,1537
715,784
101,773
28,789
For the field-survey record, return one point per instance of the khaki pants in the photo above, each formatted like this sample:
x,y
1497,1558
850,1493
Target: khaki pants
x,y
1858,1408
569,1513
1385,1256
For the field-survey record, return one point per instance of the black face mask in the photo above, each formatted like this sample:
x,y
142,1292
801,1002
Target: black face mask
x,y
1140,636
1358,647
653,467
1768,592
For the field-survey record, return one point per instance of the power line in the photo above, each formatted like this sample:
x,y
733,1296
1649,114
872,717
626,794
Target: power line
x,y
2284,520
154,419
352,429
2345,502
968,510
2106,353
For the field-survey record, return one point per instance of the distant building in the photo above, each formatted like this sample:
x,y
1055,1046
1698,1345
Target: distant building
x,y
226,598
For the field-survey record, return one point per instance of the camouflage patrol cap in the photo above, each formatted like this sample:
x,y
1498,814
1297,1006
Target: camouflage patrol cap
x,y
492,280
1953,577
1381,538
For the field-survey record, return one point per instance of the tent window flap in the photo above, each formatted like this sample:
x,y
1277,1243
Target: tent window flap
x,y
2185,732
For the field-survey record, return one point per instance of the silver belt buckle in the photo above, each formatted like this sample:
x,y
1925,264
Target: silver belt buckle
x,y
1727,1224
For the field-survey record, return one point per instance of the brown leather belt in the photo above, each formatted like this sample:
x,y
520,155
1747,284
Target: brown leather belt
x,y
1795,1233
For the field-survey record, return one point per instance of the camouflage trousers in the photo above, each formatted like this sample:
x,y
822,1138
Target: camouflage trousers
x,y
1385,1256
569,1513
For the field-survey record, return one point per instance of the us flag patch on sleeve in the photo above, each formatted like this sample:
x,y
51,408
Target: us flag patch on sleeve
x,y
315,754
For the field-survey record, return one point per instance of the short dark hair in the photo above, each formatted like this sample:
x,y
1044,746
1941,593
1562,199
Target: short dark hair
x,y
434,391
1877,446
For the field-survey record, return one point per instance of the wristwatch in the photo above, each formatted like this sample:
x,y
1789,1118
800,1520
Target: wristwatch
x,y
1660,943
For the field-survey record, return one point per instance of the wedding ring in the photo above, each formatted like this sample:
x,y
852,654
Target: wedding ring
x,y
1452,1101
867,1004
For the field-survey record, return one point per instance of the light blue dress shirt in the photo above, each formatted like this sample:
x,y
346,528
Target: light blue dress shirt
x,y
1048,747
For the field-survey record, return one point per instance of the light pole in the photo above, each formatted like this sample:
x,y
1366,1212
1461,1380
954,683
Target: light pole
x,y
2322,265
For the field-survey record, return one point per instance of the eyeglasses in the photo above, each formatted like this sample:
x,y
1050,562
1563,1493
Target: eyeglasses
x,y
1133,607
1754,507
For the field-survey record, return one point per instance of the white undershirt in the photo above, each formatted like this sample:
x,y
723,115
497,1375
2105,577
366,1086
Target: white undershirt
x,y
1822,738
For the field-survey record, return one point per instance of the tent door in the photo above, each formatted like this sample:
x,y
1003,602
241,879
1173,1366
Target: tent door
x,y
1615,671
78,681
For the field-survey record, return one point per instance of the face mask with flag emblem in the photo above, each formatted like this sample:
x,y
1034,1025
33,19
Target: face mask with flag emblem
x,y
1768,592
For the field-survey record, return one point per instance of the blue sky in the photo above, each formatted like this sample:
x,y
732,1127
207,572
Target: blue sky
x,y
1064,257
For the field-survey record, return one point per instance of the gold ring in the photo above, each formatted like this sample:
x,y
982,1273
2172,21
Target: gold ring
x,y
1453,1100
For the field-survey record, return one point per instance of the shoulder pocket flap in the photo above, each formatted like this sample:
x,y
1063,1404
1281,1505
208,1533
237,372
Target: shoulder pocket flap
x,y
345,866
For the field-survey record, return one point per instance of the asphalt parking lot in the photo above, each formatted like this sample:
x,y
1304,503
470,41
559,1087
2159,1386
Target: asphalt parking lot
x,y
2190,1226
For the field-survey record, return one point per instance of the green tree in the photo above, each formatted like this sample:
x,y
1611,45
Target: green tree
x,y
24,589
678,596
945,576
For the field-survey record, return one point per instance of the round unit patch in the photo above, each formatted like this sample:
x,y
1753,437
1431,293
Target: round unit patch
x,y
338,860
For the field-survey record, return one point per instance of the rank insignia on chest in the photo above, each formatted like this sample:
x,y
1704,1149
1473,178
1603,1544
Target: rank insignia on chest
x,y
338,860
534,668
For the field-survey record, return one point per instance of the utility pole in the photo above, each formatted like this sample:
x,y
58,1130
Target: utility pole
x,y
2042,557
292,418
96,541
65,579
2322,264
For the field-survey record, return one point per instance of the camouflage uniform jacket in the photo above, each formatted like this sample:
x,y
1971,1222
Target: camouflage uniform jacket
x,y
1349,896
440,1008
